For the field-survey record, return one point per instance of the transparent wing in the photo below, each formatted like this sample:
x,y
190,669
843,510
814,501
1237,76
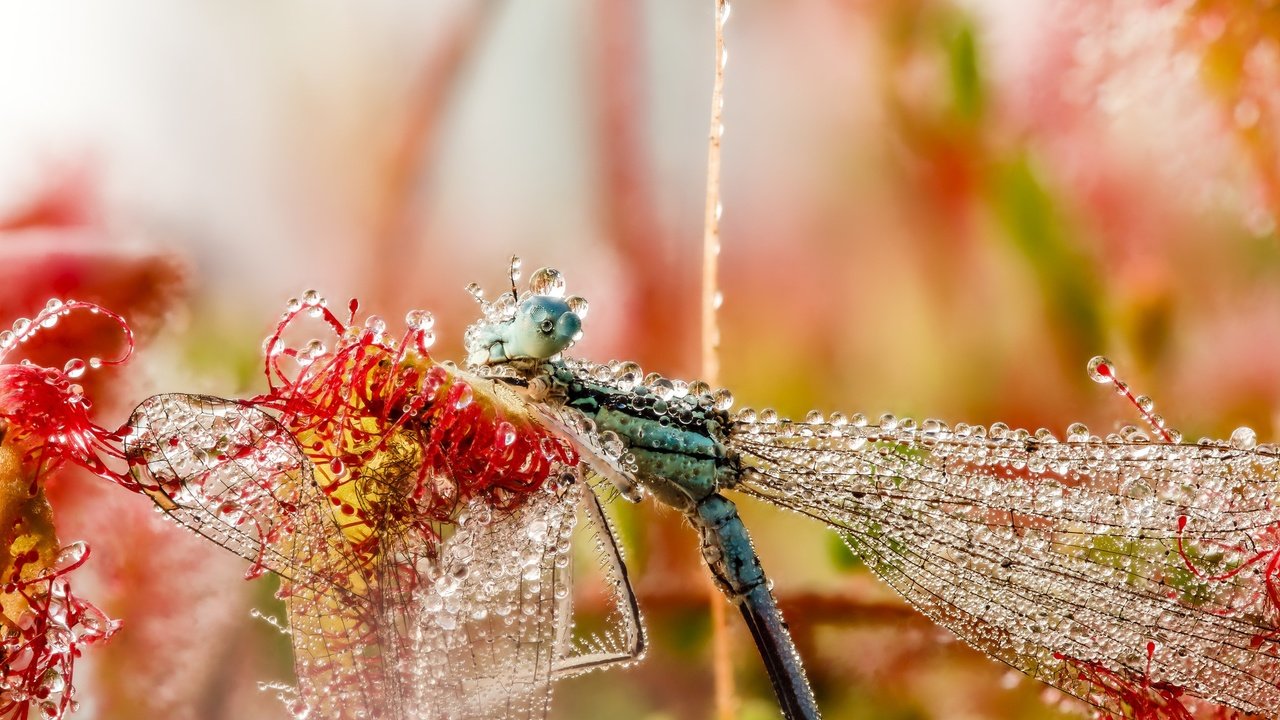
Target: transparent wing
x,y
621,638
1119,571
232,473
618,636
485,621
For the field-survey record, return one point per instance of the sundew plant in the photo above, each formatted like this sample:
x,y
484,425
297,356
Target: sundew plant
x,y
930,209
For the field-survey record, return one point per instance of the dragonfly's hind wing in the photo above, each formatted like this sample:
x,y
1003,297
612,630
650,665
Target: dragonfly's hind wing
x,y
622,638
1121,572
485,621
618,636
228,471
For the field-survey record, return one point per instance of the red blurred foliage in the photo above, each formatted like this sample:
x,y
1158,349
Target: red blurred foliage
x,y
59,245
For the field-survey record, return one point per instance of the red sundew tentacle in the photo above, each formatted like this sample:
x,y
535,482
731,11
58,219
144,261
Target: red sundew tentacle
x,y
1270,573
1137,695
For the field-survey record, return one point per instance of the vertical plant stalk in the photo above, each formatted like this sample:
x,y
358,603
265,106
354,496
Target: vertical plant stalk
x,y
721,655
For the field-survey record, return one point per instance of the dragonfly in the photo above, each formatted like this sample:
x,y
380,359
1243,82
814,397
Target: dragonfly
x,y
421,517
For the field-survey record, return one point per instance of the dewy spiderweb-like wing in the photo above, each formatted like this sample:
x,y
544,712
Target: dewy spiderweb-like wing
x,y
472,620
1119,570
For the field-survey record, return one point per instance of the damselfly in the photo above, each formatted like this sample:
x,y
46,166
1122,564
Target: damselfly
x,y
420,517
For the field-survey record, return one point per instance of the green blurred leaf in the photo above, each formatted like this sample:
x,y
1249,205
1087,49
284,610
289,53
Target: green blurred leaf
x,y
842,558
1068,279
967,94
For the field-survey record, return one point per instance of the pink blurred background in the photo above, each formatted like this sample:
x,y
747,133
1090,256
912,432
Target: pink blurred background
x,y
930,208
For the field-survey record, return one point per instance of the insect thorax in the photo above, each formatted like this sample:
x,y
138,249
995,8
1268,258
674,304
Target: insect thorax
x,y
675,446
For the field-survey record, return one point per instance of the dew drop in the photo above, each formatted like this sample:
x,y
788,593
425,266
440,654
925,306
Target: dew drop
x,y
547,281
663,388
375,324
506,433
1244,438
628,375
578,306
74,368
419,320
1101,370
465,397
311,298
722,399
1077,432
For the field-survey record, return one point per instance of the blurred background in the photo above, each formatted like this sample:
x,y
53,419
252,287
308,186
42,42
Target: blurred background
x,y
931,208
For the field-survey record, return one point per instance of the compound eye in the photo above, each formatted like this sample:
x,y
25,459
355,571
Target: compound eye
x,y
547,326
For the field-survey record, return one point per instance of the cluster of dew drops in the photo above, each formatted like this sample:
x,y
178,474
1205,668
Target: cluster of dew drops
x,y
374,328
1100,370
546,282
26,328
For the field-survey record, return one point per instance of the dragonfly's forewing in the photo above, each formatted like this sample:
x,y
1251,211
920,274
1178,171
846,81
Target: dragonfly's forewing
x,y
232,473
1111,569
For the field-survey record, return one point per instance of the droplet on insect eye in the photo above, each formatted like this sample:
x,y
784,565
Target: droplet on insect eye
x,y
1101,370
419,320
547,281
1244,438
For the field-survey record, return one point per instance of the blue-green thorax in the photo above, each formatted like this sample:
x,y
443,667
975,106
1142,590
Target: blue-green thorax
x,y
677,444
